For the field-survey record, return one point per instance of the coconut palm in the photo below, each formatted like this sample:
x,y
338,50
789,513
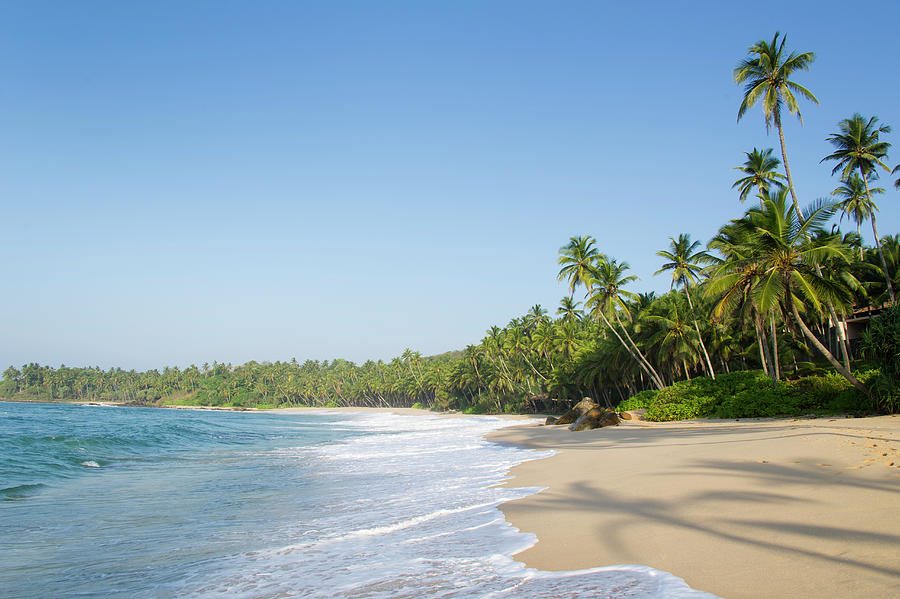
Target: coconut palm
x,y
674,338
760,170
606,297
734,280
858,148
766,74
856,201
782,249
569,309
685,260
576,260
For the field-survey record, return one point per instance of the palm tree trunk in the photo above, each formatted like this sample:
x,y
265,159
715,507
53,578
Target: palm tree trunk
x,y
764,347
840,335
887,275
654,378
709,365
636,350
762,355
822,350
787,169
775,366
858,234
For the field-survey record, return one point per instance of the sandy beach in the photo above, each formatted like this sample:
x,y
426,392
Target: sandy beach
x,y
805,508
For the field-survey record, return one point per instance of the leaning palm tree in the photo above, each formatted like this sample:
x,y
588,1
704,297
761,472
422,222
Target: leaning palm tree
x,y
760,170
685,263
606,297
858,148
766,74
783,250
856,202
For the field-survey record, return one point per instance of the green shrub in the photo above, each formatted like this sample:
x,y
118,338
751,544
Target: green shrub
x,y
638,401
881,345
751,394
700,397
418,406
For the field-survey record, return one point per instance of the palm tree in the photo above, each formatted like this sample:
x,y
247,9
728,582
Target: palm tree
x,y
684,260
760,170
734,280
783,252
766,74
607,298
674,337
856,201
858,148
569,309
576,260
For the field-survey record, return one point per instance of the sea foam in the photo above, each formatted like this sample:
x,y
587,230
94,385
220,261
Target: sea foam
x,y
418,516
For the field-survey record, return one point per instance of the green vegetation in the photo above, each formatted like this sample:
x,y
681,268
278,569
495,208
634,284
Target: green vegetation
x,y
751,394
881,345
638,401
753,324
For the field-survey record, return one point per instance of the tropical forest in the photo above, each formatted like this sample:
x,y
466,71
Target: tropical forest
x,y
784,312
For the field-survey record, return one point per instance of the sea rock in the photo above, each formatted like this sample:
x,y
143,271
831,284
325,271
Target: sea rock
x,y
582,407
595,418
624,416
550,420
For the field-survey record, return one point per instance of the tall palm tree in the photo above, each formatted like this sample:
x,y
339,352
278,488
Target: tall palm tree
x,y
783,250
856,201
858,148
684,260
577,259
766,74
760,170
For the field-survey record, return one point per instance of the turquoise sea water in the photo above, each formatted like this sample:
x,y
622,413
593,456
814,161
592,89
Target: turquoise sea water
x,y
149,503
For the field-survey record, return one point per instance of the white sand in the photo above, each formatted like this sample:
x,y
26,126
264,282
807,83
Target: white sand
x,y
750,509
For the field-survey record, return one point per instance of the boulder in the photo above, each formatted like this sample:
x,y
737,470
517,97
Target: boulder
x,y
550,420
582,407
609,419
624,416
595,418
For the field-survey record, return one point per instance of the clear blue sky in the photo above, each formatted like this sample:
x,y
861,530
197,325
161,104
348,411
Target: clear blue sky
x,y
195,181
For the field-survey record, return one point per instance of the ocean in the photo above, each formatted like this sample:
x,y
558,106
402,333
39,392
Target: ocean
x,y
144,503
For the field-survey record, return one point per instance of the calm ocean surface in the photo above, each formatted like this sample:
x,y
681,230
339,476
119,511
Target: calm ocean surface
x,y
150,503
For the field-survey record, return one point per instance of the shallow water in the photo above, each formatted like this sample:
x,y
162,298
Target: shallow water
x,y
148,503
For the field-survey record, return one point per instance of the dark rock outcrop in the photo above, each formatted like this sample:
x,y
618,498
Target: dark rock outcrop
x,y
581,408
550,420
595,418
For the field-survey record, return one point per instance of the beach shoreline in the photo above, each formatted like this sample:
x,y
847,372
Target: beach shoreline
x,y
803,508
794,507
